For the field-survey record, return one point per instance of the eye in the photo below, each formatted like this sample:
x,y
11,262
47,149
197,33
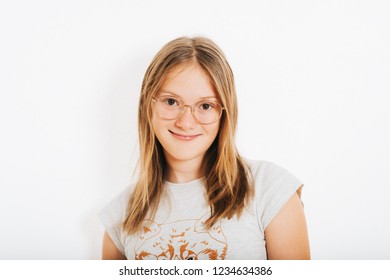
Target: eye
x,y
170,101
206,106
191,256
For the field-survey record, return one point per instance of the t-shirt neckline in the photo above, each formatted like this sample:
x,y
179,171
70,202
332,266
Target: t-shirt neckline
x,y
192,182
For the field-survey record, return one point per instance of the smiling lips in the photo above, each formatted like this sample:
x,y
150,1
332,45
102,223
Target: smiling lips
x,y
184,137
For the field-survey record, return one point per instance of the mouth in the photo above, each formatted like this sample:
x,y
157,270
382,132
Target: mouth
x,y
185,137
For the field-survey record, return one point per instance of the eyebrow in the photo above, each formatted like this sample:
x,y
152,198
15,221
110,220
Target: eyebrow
x,y
204,97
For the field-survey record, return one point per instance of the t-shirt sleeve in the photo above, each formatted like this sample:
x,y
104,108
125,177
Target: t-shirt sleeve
x,y
274,187
112,216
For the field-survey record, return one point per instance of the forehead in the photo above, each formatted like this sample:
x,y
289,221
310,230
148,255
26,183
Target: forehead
x,y
189,82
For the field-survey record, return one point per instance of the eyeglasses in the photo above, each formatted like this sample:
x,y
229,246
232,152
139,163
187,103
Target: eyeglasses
x,y
204,112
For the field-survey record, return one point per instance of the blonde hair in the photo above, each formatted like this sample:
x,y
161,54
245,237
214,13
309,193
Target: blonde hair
x,y
228,181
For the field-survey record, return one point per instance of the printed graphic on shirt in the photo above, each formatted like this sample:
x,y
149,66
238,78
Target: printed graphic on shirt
x,y
181,240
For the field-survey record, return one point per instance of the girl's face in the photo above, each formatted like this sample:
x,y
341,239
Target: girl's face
x,y
184,139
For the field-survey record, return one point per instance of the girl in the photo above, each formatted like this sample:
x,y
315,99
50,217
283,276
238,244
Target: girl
x,y
196,197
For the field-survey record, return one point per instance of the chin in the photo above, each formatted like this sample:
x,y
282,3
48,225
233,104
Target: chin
x,y
183,155
186,157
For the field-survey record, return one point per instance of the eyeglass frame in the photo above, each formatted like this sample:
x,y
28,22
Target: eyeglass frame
x,y
192,110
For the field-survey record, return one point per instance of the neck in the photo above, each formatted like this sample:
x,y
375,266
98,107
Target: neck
x,y
182,171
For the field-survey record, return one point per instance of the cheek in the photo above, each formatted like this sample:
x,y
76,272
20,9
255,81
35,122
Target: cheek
x,y
160,130
154,123
213,131
157,124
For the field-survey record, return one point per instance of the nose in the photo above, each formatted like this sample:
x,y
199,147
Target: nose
x,y
185,119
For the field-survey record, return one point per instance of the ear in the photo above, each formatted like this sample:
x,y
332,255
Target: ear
x,y
149,230
215,231
200,223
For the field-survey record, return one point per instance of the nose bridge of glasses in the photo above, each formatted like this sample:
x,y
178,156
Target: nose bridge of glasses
x,y
191,111
183,109
181,114
189,106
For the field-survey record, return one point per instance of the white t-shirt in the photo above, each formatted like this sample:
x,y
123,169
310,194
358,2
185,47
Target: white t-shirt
x,y
177,230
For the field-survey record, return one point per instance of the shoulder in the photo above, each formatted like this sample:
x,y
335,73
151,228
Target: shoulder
x,y
266,172
112,216
274,186
259,165
116,209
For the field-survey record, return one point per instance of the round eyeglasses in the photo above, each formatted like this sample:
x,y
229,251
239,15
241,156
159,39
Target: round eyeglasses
x,y
204,112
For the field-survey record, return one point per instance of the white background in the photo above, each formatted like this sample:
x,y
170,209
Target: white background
x,y
313,85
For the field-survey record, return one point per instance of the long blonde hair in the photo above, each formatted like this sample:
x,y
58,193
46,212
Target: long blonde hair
x,y
228,180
